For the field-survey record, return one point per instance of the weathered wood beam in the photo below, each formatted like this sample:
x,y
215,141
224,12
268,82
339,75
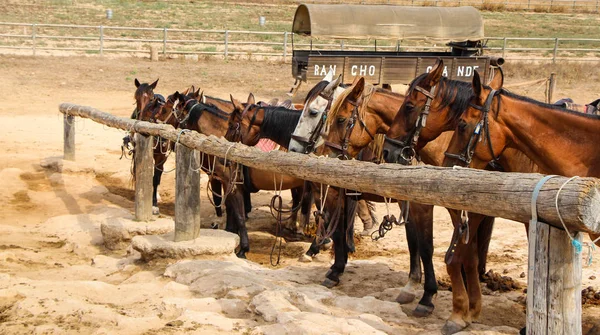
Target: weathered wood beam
x,y
187,193
144,171
69,137
499,194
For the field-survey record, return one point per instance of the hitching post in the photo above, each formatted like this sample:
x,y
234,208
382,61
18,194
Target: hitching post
x,y
69,137
187,193
144,171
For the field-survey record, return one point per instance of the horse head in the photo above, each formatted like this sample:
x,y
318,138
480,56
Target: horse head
x,y
476,125
143,94
306,137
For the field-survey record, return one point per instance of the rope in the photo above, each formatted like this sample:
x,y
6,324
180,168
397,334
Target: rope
x,y
278,226
577,245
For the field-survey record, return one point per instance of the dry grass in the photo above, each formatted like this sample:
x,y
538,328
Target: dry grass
x,y
567,72
492,6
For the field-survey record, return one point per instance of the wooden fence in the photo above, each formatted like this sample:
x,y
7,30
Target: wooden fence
x,y
84,39
554,297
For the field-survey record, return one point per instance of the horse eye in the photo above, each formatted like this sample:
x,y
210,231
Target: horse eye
x,y
462,125
341,119
313,112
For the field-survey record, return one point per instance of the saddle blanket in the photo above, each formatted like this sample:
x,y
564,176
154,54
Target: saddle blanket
x,y
266,145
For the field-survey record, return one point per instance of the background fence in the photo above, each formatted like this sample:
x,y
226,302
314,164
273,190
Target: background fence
x,y
36,39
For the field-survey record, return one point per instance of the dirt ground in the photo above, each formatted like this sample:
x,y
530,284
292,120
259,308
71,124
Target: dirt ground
x,y
58,278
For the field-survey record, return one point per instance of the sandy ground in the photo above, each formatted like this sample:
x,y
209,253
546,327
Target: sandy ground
x,y
56,276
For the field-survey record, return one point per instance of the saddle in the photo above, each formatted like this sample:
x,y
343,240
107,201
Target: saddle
x,y
591,108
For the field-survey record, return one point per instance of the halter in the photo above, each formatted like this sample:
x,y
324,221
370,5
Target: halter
x,y
466,156
405,149
311,141
349,127
186,118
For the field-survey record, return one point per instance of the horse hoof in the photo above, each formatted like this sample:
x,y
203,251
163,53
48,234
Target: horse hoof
x,y
327,245
405,297
423,311
305,258
452,327
214,225
330,283
241,254
155,210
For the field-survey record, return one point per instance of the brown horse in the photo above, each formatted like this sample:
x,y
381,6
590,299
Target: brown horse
x,y
355,117
447,103
557,131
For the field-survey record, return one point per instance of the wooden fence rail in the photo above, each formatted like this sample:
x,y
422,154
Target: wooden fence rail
x,y
554,295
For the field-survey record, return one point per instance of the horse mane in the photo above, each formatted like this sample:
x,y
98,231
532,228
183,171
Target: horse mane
x,y
376,147
279,123
454,94
197,110
545,105
337,105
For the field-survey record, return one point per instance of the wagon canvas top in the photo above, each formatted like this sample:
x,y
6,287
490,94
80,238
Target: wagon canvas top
x,y
381,22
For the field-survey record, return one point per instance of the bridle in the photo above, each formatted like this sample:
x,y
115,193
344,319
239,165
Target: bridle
x,y
183,122
406,149
355,116
311,141
466,156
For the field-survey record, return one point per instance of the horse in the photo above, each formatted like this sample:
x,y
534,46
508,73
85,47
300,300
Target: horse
x,y
356,116
307,133
507,119
307,137
277,121
253,122
447,100
210,120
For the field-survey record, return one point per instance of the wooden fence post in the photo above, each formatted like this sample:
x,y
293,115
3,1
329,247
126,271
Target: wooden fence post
x,y
69,137
187,193
551,86
144,171
553,282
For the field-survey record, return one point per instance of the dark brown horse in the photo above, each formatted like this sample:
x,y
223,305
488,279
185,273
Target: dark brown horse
x,y
356,116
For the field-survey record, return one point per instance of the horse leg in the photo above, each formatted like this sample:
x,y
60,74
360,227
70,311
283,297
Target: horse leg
x,y
217,195
484,236
306,205
155,182
247,203
364,214
466,302
424,219
234,207
293,221
332,278
407,294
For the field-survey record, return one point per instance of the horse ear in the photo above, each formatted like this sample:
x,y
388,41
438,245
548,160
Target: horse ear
x,y
333,84
153,85
176,95
477,86
251,100
186,92
358,88
237,106
137,83
497,80
200,96
436,73
329,76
